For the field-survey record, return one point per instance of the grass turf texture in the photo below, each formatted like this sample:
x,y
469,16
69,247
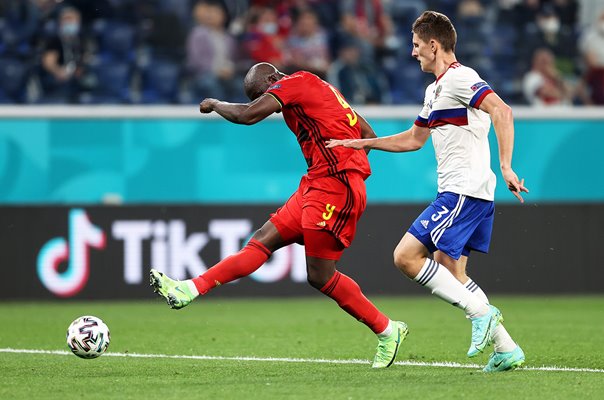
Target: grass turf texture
x,y
559,331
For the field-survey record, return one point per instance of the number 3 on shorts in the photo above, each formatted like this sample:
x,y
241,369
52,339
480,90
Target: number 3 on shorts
x,y
438,215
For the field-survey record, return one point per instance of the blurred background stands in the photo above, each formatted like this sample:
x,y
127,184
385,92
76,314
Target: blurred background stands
x,y
179,51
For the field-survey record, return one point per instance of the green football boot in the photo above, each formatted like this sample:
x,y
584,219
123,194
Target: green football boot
x,y
482,330
388,346
505,361
176,293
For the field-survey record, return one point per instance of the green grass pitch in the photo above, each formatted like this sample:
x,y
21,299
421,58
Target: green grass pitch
x,y
553,331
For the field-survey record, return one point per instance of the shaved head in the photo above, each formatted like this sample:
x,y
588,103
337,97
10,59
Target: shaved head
x,y
259,78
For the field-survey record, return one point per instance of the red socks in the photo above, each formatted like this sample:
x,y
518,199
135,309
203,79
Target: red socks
x,y
349,297
340,287
240,264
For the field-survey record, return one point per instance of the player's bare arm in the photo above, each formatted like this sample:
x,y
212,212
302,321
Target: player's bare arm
x,y
410,140
239,113
503,122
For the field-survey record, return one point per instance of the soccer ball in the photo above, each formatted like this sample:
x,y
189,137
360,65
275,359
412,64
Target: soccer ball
x,y
88,337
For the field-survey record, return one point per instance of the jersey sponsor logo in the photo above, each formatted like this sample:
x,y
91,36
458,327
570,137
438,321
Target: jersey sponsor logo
x,y
329,211
276,86
477,86
424,223
322,224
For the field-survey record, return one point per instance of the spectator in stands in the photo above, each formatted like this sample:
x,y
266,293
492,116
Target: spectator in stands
x,y
543,85
262,41
568,11
64,60
592,49
211,53
471,17
548,32
369,16
366,22
359,82
166,35
307,45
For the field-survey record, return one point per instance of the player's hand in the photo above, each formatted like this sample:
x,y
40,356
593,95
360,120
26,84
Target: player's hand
x,y
515,186
207,106
356,144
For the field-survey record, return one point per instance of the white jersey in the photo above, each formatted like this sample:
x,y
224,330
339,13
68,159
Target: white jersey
x,y
460,132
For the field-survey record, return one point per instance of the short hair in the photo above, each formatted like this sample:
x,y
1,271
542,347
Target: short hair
x,y
434,25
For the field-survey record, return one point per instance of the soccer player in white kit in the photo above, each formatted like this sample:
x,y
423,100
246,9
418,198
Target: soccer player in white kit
x,y
458,109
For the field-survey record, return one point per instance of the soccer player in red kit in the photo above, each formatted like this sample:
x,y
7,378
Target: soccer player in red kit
x,y
323,212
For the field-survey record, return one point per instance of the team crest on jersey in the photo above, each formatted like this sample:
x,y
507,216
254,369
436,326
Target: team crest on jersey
x,y
439,89
477,86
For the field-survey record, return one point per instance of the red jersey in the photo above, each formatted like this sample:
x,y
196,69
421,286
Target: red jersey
x,y
315,111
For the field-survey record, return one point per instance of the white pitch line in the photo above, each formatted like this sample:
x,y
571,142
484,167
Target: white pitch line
x,y
444,364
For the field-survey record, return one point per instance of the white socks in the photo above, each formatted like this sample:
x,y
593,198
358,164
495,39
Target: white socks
x,y
443,284
468,297
192,287
502,341
387,331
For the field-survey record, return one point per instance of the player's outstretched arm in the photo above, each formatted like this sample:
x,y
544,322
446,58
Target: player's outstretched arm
x,y
246,114
366,130
409,140
503,122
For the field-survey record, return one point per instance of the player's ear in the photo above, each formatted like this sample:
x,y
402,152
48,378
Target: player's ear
x,y
433,45
272,78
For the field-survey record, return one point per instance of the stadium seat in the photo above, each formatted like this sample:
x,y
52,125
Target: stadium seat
x,y
113,83
406,83
502,40
160,82
116,40
13,80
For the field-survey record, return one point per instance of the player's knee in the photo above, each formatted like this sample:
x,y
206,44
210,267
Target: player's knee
x,y
269,237
317,279
318,275
403,262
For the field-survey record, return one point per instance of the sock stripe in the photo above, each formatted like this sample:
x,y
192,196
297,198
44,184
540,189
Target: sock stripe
x,y
428,273
421,279
434,271
258,245
471,286
333,282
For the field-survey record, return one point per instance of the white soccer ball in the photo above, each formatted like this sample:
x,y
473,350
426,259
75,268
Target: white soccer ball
x,y
88,337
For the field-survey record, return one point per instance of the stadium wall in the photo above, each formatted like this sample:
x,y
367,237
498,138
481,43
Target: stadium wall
x,y
137,155
194,188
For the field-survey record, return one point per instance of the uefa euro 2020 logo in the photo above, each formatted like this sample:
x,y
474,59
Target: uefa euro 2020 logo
x,y
75,251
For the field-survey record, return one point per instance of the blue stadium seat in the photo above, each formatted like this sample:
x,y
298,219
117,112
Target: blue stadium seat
x,y
502,40
406,82
160,82
116,40
13,80
113,83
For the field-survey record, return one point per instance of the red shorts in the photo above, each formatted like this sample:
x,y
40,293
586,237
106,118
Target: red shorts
x,y
330,204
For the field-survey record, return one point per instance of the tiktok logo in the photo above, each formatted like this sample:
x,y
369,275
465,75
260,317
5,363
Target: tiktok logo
x,y
82,235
